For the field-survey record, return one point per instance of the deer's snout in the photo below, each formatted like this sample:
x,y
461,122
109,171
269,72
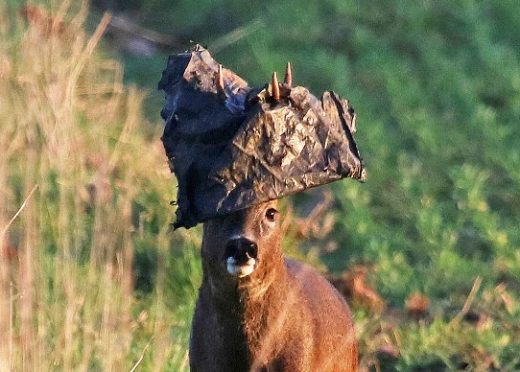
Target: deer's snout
x,y
241,256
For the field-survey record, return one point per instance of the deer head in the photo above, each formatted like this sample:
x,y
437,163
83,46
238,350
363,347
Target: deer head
x,y
239,244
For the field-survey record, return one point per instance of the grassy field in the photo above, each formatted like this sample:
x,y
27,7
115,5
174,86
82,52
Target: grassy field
x,y
85,195
92,277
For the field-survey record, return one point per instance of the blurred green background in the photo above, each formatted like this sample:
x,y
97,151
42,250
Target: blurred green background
x,y
436,87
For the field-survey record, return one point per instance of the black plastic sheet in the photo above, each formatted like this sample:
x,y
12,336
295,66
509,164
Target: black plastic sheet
x,y
232,146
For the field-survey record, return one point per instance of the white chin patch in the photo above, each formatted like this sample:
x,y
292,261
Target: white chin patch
x,y
240,270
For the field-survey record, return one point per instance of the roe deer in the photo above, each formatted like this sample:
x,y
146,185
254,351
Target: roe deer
x,y
261,312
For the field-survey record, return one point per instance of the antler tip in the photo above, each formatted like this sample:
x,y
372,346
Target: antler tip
x,y
288,75
275,87
220,80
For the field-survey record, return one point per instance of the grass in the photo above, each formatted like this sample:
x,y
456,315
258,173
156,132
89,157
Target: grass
x,y
91,276
85,205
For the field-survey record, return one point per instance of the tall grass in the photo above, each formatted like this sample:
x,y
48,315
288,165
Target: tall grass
x,y
80,170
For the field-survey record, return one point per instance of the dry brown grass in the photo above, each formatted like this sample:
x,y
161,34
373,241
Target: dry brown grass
x,y
74,147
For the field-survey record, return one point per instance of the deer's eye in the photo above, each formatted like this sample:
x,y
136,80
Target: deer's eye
x,y
271,214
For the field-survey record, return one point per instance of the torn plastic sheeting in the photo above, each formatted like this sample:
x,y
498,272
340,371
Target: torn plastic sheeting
x,y
232,146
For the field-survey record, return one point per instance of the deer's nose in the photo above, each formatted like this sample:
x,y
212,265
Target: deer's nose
x,y
241,249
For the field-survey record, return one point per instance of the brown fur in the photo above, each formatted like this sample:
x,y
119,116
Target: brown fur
x,y
282,317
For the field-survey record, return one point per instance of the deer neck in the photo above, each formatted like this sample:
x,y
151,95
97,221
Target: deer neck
x,y
252,303
261,299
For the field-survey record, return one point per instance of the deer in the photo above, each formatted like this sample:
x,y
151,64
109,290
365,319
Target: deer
x,y
259,311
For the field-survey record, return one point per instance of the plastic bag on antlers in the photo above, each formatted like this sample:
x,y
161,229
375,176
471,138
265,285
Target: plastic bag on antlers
x,y
232,146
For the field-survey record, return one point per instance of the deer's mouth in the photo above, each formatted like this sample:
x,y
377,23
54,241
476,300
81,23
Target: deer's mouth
x,y
242,267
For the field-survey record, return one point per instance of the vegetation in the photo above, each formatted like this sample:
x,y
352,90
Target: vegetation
x,y
91,277
87,173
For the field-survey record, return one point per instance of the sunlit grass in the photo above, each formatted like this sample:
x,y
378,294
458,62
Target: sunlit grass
x,y
91,170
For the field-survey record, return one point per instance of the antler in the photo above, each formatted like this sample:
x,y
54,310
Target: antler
x,y
275,87
288,75
220,81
